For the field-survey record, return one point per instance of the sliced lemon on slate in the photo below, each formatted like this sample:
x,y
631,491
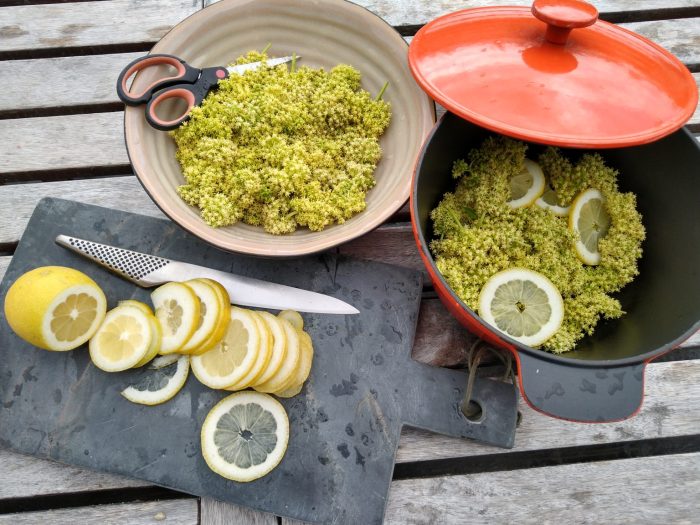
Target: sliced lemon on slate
x,y
232,359
177,309
550,201
210,314
158,385
590,221
156,332
245,436
279,347
527,186
55,308
283,377
304,368
263,357
123,339
293,317
522,304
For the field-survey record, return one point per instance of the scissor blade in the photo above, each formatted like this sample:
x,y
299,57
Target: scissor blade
x,y
242,68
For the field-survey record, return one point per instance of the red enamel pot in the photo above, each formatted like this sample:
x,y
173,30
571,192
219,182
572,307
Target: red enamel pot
x,y
603,378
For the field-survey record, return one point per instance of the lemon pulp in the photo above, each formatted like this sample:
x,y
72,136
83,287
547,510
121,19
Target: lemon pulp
x,y
73,317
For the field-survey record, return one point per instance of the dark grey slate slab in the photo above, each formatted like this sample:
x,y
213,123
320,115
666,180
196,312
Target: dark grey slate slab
x,y
345,426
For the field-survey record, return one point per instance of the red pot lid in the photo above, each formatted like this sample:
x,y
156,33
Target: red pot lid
x,y
560,77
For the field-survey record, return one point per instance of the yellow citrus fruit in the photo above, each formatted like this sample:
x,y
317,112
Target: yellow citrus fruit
x,y
303,370
527,186
550,201
55,308
281,379
210,313
293,317
177,309
157,333
158,385
279,347
245,436
522,304
123,339
232,359
590,221
263,357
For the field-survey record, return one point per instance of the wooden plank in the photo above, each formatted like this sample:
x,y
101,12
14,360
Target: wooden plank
x,y
215,512
670,408
660,489
74,81
680,37
45,26
176,511
25,476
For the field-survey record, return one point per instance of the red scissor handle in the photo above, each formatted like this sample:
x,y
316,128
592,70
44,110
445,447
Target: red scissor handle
x,y
185,75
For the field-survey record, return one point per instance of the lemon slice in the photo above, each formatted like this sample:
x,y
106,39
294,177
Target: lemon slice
x,y
522,304
293,317
303,370
245,436
263,355
230,360
527,186
281,379
55,308
210,312
549,201
156,332
279,347
177,309
123,339
590,221
158,385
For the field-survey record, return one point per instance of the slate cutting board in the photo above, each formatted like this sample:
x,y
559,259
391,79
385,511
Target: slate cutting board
x,y
344,427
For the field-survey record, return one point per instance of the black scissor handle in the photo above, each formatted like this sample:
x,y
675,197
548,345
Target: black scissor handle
x,y
192,94
185,74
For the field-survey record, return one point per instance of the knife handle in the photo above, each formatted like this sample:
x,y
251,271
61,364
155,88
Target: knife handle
x,y
130,265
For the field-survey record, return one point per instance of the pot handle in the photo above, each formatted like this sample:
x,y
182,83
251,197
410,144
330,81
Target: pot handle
x,y
578,393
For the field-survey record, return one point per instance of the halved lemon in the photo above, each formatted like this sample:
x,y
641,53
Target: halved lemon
x,y
263,355
550,201
210,313
303,370
527,186
123,339
232,359
283,377
245,436
177,309
293,317
590,221
55,308
158,385
279,347
522,304
156,331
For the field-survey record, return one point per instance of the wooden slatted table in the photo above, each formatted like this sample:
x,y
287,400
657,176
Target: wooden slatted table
x,y
61,135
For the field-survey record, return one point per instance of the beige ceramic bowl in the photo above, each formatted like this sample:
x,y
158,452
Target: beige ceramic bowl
x,y
325,33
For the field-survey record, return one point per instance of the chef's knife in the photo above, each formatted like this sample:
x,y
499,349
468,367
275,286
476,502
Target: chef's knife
x,y
150,270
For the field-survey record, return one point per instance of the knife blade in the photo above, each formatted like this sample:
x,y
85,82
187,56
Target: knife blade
x,y
150,270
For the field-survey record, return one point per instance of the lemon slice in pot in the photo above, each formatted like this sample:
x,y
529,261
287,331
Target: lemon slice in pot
x,y
522,304
245,436
549,201
123,339
55,308
527,186
159,384
590,221
233,358
177,309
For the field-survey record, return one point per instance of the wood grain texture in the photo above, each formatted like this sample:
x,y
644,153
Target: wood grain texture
x,y
177,512
90,23
213,512
670,408
29,476
659,489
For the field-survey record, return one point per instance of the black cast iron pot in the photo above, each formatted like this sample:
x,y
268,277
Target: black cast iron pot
x,y
603,378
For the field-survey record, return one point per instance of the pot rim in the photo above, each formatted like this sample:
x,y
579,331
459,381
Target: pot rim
x,y
438,279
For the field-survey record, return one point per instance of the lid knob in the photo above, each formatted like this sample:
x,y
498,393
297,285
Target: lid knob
x,y
561,16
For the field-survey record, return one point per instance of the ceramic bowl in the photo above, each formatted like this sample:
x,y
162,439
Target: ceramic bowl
x,y
325,34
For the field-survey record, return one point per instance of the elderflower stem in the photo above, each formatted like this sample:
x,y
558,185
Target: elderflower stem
x,y
381,93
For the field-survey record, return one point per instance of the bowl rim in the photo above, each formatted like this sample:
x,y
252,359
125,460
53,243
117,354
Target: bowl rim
x,y
299,249
439,281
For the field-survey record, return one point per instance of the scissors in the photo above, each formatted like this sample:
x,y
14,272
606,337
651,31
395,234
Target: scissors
x,y
189,84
